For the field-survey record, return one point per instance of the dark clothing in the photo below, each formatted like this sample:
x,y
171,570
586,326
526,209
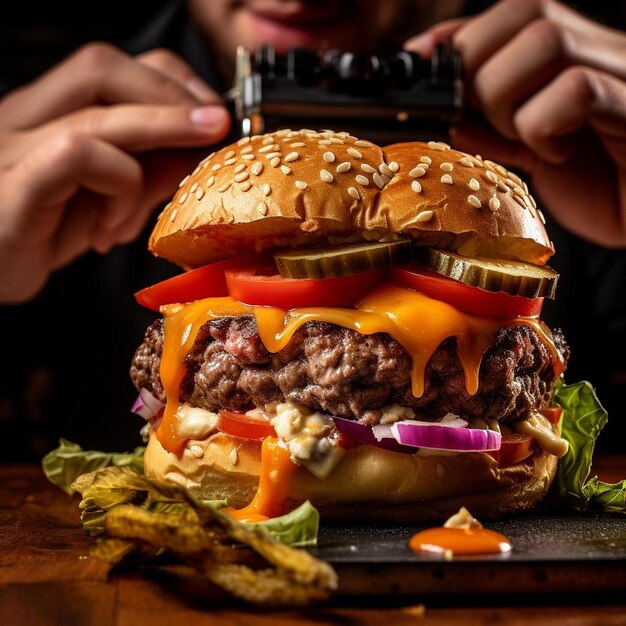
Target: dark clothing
x,y
66,354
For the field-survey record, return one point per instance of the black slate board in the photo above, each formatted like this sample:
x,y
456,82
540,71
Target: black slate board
x,y
551,553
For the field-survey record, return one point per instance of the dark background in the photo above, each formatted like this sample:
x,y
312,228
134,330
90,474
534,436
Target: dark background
x,y
591,306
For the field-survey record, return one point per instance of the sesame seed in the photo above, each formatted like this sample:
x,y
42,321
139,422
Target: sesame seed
x,y
383,168
285,170
518,180
256,168
329,157
394,167
473,184
210,181
266,189
417,172
467,161
292,156
362,180
491,176
173,215
363,144
501,186
541,216
438,145
245,186
193,187
426,159
207,158
355,153
380,183
519,201
230,154
247,157
269,148
532,201
216,167
300,184
424,216
385,178
184,181
298,144
224,187
494,204
239,178
231,161
243,141
474,201
416,186
336,140
447,167
326,176
269,139
518,191
275,162
262,208
240,168
344,167
233,456
366,167
272,155
446,179
324,142
500,169
199,193
354,193
183,198
247,150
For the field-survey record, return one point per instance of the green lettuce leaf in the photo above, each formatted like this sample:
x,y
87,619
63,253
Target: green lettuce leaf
x,y
297,528
583,419
63,465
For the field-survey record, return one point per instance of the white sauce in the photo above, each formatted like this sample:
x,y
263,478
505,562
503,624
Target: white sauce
x,y
195,423
541,429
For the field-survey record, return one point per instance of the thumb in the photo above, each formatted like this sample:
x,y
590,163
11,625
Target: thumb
x,y
425,43
478,137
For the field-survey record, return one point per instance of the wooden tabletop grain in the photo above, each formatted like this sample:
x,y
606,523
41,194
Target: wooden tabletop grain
x,y
47,578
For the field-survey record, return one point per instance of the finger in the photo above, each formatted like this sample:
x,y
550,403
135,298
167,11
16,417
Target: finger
x,y
138,128
592,97
51,175
96,73
518,70
172,66
484,35
425,42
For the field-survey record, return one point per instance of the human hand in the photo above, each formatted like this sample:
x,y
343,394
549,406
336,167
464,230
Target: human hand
x,y
551,86
82,161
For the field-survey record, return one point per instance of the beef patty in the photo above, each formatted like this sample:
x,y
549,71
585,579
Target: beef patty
x,y
339,371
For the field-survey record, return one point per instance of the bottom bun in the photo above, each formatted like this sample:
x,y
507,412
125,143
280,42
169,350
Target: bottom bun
x,y
369,483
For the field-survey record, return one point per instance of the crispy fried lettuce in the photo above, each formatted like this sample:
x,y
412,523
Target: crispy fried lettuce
x,y
583,419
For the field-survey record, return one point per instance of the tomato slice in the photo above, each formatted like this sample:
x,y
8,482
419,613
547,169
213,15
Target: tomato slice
x,y
465,298
264,286
204,282
515,448
552,413
244,426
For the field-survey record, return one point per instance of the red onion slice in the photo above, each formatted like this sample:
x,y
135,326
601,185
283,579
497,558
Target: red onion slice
x,y
146,405
445,436
364,434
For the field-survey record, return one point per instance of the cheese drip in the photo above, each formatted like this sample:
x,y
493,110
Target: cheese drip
x,y
418,323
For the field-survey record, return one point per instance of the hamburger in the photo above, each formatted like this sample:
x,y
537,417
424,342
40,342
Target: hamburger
x,y
358,326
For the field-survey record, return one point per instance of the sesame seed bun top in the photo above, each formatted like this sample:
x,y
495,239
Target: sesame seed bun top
x,y
294,188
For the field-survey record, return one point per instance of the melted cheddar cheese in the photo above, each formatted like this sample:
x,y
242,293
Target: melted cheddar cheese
x,y
415,321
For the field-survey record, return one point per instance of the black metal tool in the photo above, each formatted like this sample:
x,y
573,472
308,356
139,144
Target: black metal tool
x,y
398,97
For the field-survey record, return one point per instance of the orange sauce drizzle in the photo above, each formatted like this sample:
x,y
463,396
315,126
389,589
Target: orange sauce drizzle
x,y
460,541
415,321
274,482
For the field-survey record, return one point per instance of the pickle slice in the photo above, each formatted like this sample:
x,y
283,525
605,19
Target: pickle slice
x,y
513,277
342,260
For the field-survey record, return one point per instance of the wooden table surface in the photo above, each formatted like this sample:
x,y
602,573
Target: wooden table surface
x,y
46,577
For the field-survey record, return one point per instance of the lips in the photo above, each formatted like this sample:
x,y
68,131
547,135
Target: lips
x,y
297,14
